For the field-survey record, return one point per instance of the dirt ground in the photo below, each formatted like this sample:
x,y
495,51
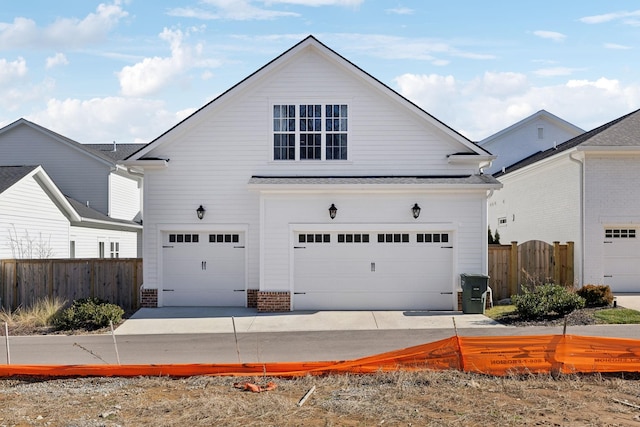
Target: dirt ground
x,y
395,399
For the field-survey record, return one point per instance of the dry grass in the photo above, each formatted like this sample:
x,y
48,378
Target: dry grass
x,y
38,316
446,398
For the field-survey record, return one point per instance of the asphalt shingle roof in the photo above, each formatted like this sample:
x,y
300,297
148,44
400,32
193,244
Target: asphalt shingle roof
x,y
9,175
122,151
621,132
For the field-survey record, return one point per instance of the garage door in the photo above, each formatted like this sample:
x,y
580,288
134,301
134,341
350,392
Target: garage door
x,y
622,259
203,269
373,271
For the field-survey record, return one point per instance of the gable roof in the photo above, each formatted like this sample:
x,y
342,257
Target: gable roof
x,y
310,42
95,154
539,115
623,132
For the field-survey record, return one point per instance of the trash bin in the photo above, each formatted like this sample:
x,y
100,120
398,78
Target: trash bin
x,y
474,293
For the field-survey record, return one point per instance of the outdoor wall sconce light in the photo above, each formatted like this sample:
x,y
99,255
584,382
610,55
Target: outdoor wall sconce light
x,y
333,211
200,212
416,211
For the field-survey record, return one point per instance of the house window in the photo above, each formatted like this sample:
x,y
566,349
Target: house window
x,y
620,233
393,238
336,125
314,238
72,249
540,133
100,249
310,132
353,238
224,238
114,249
502,221
284,132
184,238
432,237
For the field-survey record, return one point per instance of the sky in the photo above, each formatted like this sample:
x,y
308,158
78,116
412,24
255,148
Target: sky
x,y
128,70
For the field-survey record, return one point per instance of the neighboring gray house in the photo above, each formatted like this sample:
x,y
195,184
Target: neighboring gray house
x,y
90,177
585,190
538,132
312,185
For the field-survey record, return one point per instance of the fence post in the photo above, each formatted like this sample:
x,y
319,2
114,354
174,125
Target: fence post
x,y
513,269
570,261
556,263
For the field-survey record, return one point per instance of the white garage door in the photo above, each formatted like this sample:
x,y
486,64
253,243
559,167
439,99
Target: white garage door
x,y
204,269
373,271
622,259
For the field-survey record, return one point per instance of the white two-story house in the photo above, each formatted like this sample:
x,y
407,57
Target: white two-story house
x,y
312,185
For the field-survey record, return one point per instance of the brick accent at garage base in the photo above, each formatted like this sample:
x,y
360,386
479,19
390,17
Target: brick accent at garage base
x,y
252,298
274,301
149,298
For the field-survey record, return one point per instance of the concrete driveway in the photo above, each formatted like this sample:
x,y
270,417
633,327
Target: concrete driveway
x,y
196,320
631,301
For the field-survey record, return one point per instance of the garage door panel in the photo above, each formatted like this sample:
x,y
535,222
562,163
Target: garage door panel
x,y
207,270
395,274
621,259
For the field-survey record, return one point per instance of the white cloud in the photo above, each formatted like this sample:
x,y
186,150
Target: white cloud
x,y
10,71
400,11
152,74
629,18
64,32
236,10
551,35
616,46
57,59
316,3
488,104
100,120
554,71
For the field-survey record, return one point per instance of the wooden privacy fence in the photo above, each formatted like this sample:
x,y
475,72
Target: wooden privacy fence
x,y
532,262
25,281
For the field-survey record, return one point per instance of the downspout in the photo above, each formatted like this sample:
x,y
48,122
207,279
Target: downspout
x,y
580,162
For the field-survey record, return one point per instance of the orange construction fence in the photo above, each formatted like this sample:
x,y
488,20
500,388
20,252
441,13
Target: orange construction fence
x,y
499,355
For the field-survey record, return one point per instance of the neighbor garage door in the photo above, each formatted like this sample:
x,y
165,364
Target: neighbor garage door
x,y
203,269
373,271
622,259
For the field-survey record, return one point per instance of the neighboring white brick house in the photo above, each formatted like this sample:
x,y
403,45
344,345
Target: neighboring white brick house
x,y
585,190
268,161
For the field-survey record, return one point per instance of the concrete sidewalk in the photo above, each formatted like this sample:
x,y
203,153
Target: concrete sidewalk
x,y
204,320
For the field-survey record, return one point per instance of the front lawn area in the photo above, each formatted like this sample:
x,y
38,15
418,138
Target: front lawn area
x,y
508,314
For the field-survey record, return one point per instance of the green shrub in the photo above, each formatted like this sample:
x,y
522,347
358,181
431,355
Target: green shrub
x,y
88,314
546,300
596,295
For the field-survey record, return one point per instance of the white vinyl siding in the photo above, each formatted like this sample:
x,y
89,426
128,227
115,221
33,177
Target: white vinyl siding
x,y
87,242
31,223
125,197
217,153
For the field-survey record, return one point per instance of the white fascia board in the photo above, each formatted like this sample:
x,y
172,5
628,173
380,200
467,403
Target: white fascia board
x,y
144,164
41,177
470,159
541,164
96,223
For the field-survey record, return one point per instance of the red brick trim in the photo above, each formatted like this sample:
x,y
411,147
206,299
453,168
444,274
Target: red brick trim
x,y
274,301
148,298
252,298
